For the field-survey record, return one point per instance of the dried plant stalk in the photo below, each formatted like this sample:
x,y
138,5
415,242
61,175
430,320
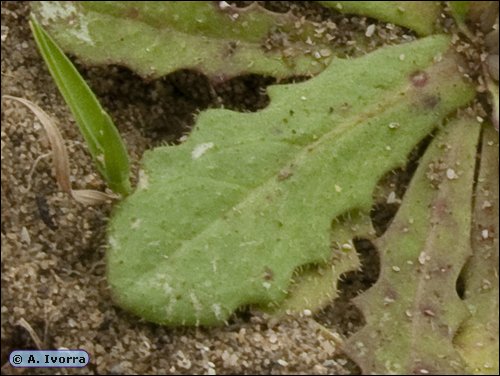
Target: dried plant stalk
x,y
60,157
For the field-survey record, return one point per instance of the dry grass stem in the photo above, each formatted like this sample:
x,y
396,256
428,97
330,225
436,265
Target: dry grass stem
x,y
36,339
91,197
32,170
60,158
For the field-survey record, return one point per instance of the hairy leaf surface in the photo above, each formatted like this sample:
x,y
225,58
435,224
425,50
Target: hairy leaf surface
x,y
420,16
315,286
155,38
477,340
224,219
413,310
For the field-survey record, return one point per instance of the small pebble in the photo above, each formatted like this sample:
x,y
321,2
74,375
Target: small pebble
x,y
451,174
370,30
282,362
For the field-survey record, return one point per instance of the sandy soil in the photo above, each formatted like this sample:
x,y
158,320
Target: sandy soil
x,y
54,289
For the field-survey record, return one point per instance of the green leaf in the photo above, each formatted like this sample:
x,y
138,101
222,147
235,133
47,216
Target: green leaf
x,y
413,310
102,138
314,287
459,10
477,340
420,16
155,38
250,195
492,87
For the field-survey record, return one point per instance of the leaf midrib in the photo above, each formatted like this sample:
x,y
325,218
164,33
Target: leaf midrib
x,y
341,129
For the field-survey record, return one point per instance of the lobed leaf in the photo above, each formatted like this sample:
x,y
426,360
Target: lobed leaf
x,y
314,287
253,195
155,38
420,16
413,310
100,134
477,340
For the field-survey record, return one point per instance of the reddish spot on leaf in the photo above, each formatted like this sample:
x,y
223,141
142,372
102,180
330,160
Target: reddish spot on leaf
x,y
419,78
268,274
391,293
430,101
440,207
427,311
132,12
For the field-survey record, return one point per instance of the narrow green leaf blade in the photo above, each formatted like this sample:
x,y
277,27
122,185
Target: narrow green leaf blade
x,y
413,311
102,137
